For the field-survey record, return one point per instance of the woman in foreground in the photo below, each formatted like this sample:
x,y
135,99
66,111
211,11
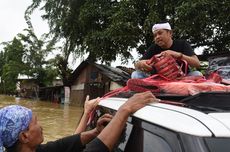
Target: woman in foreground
x,y
21,132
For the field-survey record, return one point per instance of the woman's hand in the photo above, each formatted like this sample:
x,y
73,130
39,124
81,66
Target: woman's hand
x,y
88,108
90,104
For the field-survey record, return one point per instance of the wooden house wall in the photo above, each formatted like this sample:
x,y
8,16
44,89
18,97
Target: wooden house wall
x,y
77,97
77,94
90,82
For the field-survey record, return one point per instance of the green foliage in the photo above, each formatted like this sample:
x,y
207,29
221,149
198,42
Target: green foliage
x,y
2,58
205,23
11,65
25,55
62,17
35,53
61,68
106,28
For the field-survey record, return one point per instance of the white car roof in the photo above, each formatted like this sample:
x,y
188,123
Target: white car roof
x,y
179,119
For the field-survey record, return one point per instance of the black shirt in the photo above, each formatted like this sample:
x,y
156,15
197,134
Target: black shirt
x,y
72,144
178,46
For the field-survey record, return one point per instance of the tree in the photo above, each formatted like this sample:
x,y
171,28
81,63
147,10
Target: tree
x,y
25,55
34,56
205,24
2,58
11,65
63,23
106,28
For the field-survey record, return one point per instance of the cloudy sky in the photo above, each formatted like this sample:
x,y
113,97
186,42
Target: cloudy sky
x,y
13,22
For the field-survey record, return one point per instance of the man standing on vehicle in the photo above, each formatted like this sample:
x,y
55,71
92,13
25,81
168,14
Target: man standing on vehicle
x,y
166,46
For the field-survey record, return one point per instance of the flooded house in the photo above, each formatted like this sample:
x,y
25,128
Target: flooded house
x,y
95,80
54,93
26,87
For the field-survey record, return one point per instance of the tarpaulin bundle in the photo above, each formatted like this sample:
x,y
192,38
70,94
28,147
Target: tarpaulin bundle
x,y
170,78
182,85
167,69
188,85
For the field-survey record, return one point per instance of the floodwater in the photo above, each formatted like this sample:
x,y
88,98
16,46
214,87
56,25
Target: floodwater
x,y
57,120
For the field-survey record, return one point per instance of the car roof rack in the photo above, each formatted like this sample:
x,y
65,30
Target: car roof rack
x,y
204,101
162,96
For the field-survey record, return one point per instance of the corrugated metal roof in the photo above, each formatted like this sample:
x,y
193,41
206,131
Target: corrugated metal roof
x,y
115,74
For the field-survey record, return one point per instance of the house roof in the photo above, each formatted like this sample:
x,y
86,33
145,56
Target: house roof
x,y
115,74
25,77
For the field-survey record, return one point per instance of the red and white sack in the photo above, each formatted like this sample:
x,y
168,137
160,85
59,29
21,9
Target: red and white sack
x,y
166,66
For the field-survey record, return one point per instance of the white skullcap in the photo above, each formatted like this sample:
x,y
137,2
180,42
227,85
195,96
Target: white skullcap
x,y
160,26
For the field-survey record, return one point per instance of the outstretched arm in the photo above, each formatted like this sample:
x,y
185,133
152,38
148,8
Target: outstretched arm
x,y
88,108
111,133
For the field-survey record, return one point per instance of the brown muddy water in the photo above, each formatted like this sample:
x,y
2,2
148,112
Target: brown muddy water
x,y
57,120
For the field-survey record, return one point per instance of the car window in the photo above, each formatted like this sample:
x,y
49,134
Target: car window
x,y
154,143
163,135
193,143
139,139
218,144
124,138
135,139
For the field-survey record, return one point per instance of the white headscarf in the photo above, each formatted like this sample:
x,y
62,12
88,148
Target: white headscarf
x,y
160,26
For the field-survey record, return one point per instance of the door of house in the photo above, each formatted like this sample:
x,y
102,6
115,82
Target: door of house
x,y
96,89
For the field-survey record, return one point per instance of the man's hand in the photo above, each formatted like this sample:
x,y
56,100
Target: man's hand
x,y
138,101
143,66
87,136
103,121
193,60
174,54
111,133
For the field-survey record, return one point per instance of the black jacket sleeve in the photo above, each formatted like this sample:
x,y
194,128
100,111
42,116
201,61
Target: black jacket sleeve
x,y
67,144
96,145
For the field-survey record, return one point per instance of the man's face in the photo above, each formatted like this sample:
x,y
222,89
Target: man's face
x,y
35,134
162,38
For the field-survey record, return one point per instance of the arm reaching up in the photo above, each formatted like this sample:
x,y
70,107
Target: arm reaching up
x,y
111,133
88,108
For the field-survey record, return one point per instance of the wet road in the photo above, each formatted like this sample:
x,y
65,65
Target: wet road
x,y
57,120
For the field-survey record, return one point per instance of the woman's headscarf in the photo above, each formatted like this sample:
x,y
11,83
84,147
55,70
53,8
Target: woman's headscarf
x,y
13,120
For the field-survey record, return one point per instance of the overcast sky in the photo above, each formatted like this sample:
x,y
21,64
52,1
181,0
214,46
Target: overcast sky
x,y
13,22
